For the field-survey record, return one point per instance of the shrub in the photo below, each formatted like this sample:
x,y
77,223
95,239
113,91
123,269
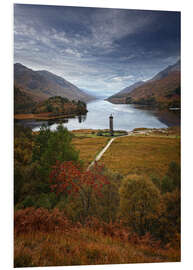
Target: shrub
x,y
31,219
139,203
170,221
172,179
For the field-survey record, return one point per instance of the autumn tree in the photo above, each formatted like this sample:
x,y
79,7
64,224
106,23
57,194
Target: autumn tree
x,y
69,179
106,206
171,180
50,146
22,159
139,203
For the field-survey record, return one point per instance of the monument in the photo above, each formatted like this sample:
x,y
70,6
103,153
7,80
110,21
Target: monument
x,y
111,124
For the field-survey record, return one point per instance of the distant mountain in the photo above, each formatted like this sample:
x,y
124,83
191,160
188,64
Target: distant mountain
x,y
118,97
163,90
43,84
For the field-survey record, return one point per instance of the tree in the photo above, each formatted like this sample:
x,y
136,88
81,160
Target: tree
x,y
49,147
171,180
168,229
71,180
106,206
139,203
49,107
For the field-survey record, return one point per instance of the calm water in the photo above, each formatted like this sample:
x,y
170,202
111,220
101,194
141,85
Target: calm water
x,y
126,117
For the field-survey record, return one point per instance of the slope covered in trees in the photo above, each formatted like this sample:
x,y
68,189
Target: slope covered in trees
x,y
25,107
23,103
60,105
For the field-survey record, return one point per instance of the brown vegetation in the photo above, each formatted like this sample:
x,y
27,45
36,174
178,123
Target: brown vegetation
x,y
164,92
146,155
65,215
89,147
47,238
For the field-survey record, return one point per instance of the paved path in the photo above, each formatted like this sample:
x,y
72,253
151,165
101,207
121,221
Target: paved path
x,y
104,150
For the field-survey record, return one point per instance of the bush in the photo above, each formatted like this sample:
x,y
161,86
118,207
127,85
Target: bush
x,y
31,219
170,181
139,203
170,221
24,260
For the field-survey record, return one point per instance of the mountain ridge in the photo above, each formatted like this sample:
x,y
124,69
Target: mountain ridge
x,y
43,84
163,90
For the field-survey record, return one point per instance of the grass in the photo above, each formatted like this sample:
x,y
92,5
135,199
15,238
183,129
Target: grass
x,y
83,246
147,155
89,147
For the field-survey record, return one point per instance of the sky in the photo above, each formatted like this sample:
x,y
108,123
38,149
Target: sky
x,y
99,50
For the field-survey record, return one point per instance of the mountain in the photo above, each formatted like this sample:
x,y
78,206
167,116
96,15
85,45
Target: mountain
x,y
167,71
43,84
120,96
23,102
163,90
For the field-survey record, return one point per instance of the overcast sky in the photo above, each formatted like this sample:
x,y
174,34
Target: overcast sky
x,y
96,49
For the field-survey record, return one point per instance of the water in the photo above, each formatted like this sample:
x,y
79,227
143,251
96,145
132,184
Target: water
x,y
126,117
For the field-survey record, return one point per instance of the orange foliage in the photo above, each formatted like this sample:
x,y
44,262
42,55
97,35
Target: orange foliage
x,y
31,219
71,178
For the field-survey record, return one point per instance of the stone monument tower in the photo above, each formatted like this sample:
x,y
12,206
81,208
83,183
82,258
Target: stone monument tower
x,y
111,124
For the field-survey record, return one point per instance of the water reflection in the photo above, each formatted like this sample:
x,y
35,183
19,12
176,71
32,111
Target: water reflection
x,y
81,118
126,117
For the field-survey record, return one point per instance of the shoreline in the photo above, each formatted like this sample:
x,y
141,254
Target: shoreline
x,y
41,116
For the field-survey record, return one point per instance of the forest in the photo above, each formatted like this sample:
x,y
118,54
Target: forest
x,y
113,217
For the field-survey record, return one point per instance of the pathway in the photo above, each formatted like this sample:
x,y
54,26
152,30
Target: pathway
x,y
104,150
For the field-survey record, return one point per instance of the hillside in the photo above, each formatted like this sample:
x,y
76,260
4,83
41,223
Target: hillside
x,y
52,108
43,84
163,90
167,71
120,96
23,103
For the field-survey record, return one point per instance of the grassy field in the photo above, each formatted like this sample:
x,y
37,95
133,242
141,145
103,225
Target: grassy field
x,y
83,246
148,154
89,146
143,155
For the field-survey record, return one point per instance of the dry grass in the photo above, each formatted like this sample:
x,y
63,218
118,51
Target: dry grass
x,y
83,246
147,155
89,147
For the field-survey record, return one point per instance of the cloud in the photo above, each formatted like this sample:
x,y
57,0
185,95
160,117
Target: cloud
x,y
123,78
101,49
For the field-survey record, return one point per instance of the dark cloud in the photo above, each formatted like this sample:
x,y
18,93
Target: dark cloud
x,y
104,49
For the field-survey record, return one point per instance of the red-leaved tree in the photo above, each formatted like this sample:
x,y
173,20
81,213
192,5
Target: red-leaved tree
x,y
69,178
